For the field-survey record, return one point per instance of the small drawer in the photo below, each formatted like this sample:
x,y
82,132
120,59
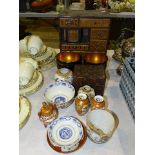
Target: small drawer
x,y
98,45
86,22
69,22
68,47
99,34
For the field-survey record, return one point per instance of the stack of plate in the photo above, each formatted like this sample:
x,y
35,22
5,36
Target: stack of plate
x,y
66,134
24,110
34,84
33,47
45,59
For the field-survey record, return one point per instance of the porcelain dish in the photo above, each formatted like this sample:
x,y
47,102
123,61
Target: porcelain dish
x,y
101,125
60,93
34,87
24,110
65,134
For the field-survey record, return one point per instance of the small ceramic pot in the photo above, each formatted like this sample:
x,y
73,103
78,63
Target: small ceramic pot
x,y
34,44
88,91
48,113
98,102
63,74
101,125
82,104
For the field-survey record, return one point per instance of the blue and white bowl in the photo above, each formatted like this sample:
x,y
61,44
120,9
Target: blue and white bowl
x,y
61,93
65,133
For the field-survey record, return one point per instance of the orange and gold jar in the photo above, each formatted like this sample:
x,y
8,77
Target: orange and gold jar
x,y
48,113
82,104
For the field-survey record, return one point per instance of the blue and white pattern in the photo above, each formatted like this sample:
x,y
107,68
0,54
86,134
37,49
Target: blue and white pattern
x,y
65,133
59,99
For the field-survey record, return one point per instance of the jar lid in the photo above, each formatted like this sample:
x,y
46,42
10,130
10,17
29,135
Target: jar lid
x,y
47,109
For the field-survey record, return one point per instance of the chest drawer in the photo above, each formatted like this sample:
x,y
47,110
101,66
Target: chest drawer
x,y
69,22
86,22
99,34
98,45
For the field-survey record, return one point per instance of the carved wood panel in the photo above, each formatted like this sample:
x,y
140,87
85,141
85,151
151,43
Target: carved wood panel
x,y
99,34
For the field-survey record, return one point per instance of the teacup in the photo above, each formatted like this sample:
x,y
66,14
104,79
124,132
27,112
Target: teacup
x,y
98,102
26,70
34,45
23,45
101,125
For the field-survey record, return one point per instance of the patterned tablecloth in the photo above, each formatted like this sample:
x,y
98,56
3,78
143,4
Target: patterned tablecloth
x,y
32,137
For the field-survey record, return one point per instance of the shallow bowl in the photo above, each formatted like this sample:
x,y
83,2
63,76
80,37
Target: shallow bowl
x,y
60,93
95,58
67,60
66,134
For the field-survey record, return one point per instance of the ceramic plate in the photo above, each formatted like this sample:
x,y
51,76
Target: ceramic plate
x,y
24,110
33,88
65,133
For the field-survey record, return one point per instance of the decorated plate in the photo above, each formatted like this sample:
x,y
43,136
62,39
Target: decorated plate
x,y
24,110
66,134
33,88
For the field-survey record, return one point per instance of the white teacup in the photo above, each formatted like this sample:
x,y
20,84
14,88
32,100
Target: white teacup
x,y
26,70
34,45
101,125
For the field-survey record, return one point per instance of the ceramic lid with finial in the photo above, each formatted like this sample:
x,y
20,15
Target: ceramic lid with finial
x,y
47,109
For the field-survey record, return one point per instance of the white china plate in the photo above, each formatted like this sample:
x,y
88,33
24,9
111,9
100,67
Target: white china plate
x,y
25,110
33,88
65,131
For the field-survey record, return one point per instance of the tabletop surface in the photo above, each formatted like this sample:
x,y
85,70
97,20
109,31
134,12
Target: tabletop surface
x,y
32,137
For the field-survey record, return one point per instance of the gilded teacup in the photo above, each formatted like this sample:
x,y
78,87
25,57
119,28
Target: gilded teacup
x,y
101,125
98,102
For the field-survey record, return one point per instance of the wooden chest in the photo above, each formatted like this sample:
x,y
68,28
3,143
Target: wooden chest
x,y
92,75
84,34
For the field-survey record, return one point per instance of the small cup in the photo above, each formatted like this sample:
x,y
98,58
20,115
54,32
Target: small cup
x,y
26,71
48,113
98,102
82,104
34,45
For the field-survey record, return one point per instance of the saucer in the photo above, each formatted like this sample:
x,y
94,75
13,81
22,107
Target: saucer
x,y
66,134
25,110
33,88
48,60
